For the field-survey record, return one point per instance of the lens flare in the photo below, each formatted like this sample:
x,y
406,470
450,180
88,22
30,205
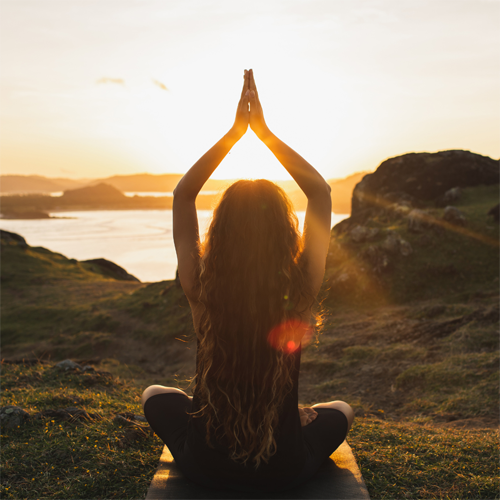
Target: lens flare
x,y
289,335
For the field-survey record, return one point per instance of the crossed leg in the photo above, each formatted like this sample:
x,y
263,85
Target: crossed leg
x,y
153,390
340,406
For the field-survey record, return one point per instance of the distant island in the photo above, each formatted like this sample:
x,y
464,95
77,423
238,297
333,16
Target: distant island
x,y
26,197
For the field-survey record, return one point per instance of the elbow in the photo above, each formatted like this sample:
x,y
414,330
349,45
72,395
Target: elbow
x,y
325,192
321,195
326,196
181,194
176,195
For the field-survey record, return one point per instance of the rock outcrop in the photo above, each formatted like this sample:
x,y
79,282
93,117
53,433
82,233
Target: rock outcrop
x,y
495,212
110,269
12,416
423,177
454,216
8,237
413,223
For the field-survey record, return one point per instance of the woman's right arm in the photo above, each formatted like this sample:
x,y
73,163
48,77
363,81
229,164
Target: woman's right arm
x,y
319,204
185,219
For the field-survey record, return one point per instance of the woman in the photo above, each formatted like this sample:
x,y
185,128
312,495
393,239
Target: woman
x,y
251,287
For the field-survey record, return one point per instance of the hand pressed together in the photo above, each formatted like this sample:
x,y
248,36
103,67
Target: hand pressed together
x,y
257,122
242,119
249,110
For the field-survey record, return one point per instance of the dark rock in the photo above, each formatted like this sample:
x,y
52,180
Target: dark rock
x,y
67,364
405,248
391,243
8,237
399,210
12,416
346,225
361,233
111,269
70,414
450,196
454,216
495,212
394,244
418,221
136,434
377,257
399,198
423,177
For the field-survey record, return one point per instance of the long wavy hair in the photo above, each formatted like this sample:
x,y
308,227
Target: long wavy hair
x,y
253,286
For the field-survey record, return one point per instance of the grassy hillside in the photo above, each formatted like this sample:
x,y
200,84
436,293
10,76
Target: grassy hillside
x,y
443,260
412,345
54,307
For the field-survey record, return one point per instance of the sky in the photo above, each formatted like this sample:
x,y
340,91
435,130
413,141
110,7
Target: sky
x,y
90,89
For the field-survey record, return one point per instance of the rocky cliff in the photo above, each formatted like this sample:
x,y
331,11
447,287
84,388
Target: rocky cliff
x,y
422,177
421,225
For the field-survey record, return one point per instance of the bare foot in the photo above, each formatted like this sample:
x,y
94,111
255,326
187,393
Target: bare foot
x,y
307,415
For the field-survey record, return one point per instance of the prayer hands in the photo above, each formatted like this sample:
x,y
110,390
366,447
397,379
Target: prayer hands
x,y
242,119
249,111
307,415
257,122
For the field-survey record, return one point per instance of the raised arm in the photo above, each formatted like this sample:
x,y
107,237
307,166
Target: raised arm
x,y
319,204
185,219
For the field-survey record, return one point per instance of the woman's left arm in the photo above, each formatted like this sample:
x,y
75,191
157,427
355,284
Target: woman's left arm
x,y
185,219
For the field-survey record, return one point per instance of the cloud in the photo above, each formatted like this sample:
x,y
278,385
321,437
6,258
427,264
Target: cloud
x,y
159,84
117,81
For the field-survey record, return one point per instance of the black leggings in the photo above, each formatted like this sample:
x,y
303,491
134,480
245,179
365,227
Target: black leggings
x,y
167,416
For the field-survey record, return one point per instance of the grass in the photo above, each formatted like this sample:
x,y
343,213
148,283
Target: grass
x,y
411,460
54,307
52,458
414,349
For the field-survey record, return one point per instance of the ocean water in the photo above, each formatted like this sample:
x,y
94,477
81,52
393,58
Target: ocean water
x,y
138,240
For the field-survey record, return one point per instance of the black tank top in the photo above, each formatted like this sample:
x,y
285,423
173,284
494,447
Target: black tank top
x,y
283,466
